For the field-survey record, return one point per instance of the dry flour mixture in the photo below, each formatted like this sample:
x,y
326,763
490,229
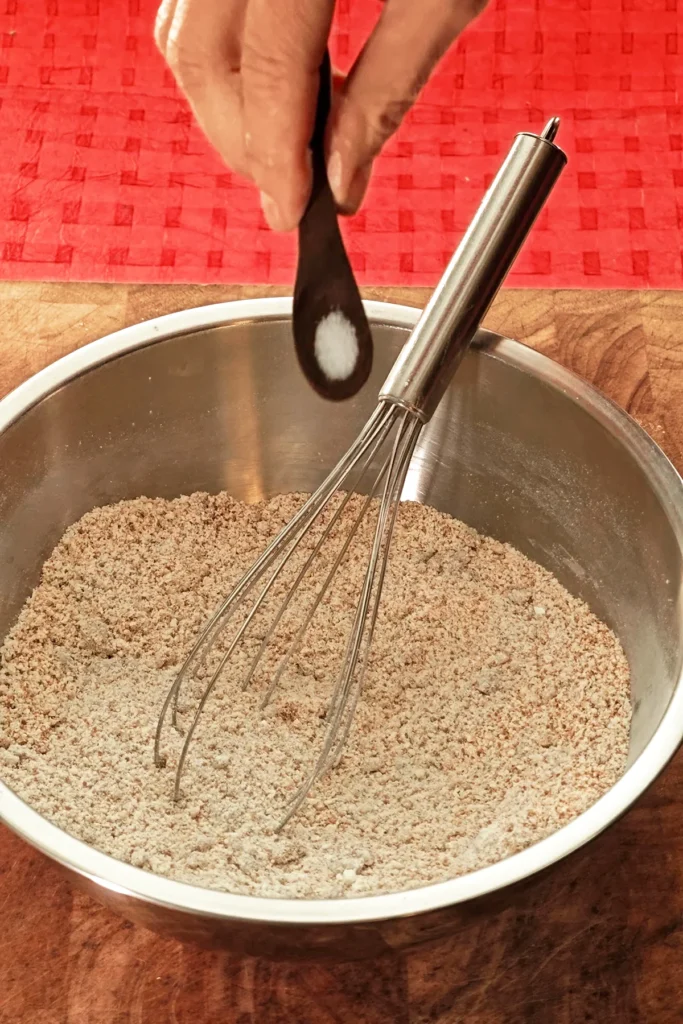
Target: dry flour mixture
x,y
496,706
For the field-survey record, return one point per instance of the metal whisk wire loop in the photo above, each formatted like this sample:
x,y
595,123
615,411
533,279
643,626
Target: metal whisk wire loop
x,y
270,567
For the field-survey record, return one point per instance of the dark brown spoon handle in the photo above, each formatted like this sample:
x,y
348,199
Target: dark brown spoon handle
x,y
324,281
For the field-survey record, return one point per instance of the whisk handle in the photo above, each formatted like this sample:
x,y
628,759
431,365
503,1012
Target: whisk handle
x,y
430,357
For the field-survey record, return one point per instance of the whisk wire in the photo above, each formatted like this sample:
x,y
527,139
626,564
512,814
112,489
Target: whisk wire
x,y
404,444
371,437
322,590
409,448
307,564
302,520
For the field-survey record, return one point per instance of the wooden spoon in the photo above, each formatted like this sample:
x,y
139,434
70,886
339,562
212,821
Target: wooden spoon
x,y
331,331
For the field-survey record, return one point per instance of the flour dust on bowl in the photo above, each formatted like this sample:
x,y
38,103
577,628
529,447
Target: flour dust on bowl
x,y
212,400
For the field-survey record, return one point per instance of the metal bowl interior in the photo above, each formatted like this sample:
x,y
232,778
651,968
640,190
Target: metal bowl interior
x,y
520,448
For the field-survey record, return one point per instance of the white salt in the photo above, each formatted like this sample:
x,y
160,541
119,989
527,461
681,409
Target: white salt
x,y
336,346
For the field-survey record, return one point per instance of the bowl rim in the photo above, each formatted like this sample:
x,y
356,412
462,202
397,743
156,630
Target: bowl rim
x,y
127,880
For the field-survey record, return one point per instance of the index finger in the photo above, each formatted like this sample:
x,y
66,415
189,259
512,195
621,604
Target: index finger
x,y
282,49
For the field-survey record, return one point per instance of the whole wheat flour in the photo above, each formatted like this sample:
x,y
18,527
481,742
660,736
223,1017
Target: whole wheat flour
x,y
496,706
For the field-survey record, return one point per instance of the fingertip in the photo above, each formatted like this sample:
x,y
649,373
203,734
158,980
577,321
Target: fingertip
x,y
271,212
357,190
335,175
284,193
348,183
349,162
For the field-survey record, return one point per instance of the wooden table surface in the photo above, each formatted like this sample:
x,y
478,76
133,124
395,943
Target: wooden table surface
x,y
603,939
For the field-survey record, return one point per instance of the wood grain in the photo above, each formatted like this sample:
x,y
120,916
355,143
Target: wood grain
x,y
603,939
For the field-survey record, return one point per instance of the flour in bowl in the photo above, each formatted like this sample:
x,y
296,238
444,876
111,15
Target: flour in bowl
x,y
496,706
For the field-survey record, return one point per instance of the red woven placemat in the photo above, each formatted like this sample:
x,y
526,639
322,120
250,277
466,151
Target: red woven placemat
x,y
104,177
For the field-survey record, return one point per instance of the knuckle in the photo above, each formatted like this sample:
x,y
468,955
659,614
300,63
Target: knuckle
x,y
265,70
390,118
383,122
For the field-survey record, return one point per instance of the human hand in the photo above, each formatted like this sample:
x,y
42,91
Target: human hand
x,y
249,69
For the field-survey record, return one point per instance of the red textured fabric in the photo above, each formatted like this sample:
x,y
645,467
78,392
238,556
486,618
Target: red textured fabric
x,y
104,177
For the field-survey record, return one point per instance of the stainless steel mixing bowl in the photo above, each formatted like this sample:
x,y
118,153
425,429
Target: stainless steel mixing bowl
x,y
520,448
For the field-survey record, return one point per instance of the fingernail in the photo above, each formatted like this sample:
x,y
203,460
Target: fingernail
x,y
334,175
271,212
355,193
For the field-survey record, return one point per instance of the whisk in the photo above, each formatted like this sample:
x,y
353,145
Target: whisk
x,y
407,401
